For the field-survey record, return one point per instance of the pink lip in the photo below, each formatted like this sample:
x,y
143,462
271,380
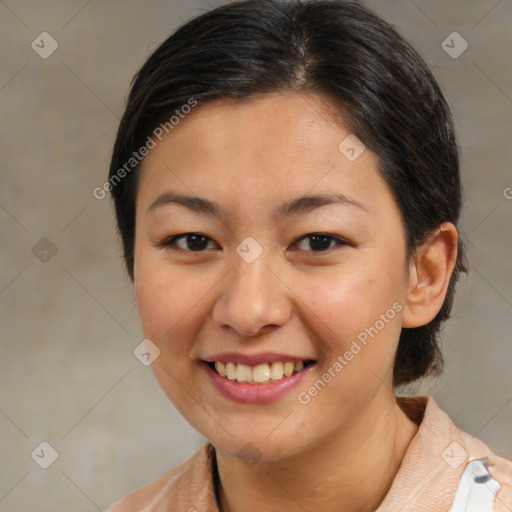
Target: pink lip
x,y
255,393
253,359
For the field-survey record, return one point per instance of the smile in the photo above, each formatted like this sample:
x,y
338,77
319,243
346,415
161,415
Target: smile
x,y
258,374
256,379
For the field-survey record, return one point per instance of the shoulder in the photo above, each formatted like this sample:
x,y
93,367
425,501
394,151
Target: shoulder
x,y
464,447
484,468
185,483
447,468
142,497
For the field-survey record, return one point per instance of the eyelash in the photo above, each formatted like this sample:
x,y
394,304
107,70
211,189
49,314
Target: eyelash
x,y
171,241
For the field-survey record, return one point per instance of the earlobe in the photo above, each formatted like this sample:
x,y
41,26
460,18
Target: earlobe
x,y
429,276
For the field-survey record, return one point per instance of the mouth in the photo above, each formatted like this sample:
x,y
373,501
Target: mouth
x,y
263,373
259,378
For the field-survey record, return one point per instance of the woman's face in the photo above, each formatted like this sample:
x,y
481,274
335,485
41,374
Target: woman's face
x,y
255,286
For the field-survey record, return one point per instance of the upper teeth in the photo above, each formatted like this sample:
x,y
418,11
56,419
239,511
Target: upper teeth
x,y
257,374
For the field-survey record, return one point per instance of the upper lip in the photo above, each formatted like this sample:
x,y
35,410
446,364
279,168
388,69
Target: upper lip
x,y
253,359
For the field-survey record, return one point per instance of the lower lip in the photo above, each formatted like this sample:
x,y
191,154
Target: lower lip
x,y
256,393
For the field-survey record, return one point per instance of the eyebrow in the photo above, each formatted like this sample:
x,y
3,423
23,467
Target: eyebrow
x,y
299,205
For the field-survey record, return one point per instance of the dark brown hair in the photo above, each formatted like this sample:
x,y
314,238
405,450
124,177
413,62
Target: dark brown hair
x,y
386,93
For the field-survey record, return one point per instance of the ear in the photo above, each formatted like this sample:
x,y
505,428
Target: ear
x,y
430,271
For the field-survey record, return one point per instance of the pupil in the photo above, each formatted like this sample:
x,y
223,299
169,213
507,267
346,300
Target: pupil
x,y
194,245
323,244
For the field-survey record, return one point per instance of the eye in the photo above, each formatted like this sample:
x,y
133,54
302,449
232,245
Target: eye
x,y
321,242
193,242
196,242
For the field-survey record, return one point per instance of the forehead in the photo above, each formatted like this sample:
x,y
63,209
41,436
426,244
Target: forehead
x,y
268,148
253,126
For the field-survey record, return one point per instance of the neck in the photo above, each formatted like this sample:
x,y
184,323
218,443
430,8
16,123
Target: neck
x,y
351,471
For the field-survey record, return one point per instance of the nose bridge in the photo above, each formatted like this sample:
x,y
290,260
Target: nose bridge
x,y
252,295
251,276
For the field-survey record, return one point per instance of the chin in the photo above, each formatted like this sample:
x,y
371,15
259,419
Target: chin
x,y
256,445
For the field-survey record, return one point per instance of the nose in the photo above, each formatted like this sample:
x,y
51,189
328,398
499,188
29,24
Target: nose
x,y
253,299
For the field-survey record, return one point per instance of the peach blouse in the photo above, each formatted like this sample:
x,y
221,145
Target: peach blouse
x,y
443,470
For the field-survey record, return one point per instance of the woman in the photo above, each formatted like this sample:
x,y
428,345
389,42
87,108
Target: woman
x,y
287,190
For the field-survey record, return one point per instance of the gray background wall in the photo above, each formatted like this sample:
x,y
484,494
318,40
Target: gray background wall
x,y
68,324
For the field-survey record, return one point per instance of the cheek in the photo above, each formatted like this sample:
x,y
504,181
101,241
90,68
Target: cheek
x,y
169,305
361,323
360,319
166,301
349,304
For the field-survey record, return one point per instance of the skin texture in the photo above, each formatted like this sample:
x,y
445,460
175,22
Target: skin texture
x,y
249,157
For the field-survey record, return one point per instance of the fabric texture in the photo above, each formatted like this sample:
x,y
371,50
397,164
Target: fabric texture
x,y
443,470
